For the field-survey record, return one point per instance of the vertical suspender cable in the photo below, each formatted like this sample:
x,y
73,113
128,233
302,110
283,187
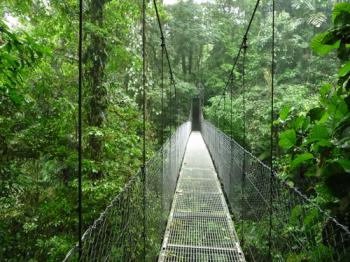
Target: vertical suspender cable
x,y
171,106
239,52
162,120
176,105
271,123
171,127
245,47
162,92
80,87
144,122
172,81
231,177
224,111
175,122
175,119
231,109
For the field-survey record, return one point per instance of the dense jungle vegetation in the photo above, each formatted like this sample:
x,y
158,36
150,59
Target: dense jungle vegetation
x,y
38,102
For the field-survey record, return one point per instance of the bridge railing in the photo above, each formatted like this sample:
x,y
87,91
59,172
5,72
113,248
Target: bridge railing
x,y
273,218
117,235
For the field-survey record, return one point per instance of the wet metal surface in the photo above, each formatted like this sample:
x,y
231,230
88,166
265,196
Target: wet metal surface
x,y
200,227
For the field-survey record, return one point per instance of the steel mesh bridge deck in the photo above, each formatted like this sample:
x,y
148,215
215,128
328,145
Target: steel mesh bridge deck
x,y
200,227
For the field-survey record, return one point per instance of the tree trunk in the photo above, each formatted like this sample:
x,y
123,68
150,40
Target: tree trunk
x,y
183,60
190,61
96,59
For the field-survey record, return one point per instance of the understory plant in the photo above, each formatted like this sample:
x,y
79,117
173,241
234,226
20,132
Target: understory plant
x,y
316,142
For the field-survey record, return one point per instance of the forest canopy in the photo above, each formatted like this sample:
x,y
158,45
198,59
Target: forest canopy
x,y
39,109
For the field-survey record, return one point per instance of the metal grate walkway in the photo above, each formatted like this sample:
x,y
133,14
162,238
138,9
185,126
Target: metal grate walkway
x,y
199,227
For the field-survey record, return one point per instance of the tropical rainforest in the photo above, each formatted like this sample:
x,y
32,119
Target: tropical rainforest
x,y
39,109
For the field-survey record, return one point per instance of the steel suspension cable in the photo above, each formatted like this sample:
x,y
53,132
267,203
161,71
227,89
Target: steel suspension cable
x,y
143,168
245,47
80,87
162,121
163,40
173,107
240,49
175,118
231,133
170,107
162,92
224,111
172,79
271,124
231,110
173,101
176,105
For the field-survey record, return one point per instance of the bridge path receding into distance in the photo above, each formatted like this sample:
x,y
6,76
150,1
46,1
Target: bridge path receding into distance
x,y
200,227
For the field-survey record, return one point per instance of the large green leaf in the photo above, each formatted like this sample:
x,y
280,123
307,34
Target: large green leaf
x,y
324,43
285,112
345,164
340,8
316,113
344,70
319,132
342,19
288,139
301,158
325,89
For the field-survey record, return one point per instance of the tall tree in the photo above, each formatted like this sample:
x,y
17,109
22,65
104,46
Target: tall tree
x,y
96,57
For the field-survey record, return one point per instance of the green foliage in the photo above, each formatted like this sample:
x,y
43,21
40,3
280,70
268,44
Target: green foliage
x,y
257,114
300,159
38,124
38,108
287,139
317,158
311,134
18,53
338,36
323,44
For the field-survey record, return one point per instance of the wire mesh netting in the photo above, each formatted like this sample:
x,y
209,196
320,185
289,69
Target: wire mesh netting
x,y
299,228
117,234
275,70
199,227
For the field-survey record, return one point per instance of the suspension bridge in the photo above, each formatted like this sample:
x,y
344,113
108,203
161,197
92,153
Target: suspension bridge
x,y
198,189
204,197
